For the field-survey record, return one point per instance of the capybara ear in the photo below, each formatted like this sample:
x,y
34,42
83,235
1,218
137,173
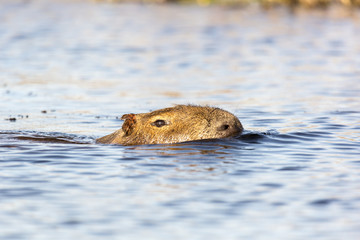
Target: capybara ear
x,y
129,124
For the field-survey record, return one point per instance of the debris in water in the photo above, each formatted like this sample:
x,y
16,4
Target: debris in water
x,y
12,119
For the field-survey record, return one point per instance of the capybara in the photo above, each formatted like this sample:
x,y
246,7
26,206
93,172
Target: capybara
x,y
175,124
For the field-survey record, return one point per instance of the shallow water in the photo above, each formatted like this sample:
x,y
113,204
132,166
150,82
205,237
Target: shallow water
x,y
70,69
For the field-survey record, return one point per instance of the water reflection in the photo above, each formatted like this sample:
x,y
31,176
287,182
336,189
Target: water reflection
x,y
204,147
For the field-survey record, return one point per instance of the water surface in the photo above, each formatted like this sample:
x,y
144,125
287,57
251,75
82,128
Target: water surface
x,y
70,69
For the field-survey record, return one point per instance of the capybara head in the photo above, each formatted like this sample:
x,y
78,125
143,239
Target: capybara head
x,y
172,125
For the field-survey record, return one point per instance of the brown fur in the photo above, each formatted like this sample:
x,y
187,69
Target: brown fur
x,y
172,125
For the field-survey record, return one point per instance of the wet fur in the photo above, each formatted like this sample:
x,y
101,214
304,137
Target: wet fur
x,y
184,123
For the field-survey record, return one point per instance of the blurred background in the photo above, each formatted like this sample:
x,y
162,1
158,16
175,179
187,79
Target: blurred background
x,y
262,3
73,62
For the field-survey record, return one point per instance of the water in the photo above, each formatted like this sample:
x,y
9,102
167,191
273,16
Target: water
x,y
70,69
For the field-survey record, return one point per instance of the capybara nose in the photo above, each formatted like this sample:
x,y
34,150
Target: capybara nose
x,y
230,129
238,129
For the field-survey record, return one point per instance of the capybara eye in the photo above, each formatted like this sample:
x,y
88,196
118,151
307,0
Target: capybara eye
x,y
223,127
159,123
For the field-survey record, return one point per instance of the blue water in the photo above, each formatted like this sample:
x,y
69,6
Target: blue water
x,y
70,69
